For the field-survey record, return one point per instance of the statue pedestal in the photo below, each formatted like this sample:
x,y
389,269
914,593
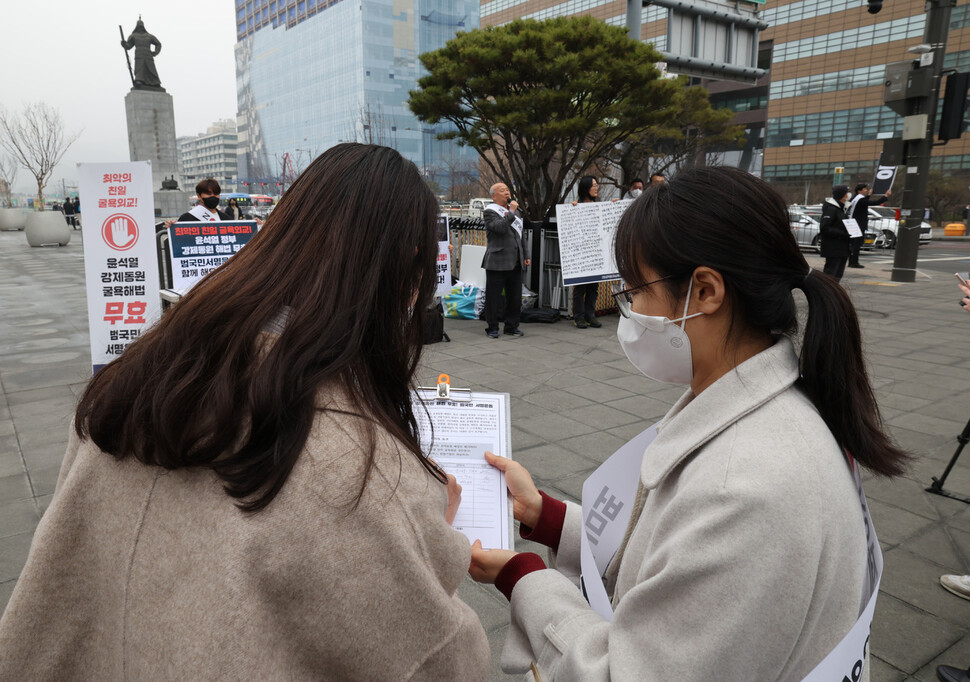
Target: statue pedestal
x,y
172,203
151,134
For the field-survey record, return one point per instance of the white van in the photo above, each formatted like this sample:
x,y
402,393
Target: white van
x,y
476,207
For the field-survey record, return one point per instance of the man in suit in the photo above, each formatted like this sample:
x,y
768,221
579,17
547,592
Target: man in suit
x,y
504,260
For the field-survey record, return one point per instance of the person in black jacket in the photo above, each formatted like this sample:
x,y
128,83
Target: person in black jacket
x,y
859,211
584,295
835,237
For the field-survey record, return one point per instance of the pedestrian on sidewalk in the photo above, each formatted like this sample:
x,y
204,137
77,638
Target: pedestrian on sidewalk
x,y
745,557
858,210
244,495
833,233
584,295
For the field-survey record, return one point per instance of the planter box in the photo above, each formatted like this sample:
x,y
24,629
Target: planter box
x,y
12,219
47,228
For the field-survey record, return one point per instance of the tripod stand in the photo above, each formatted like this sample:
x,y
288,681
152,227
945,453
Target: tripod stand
x,y
937,487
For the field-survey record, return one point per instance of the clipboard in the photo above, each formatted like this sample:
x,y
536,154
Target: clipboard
x,y
457,426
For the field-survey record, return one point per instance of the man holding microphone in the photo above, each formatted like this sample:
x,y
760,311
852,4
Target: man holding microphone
x,y
504,260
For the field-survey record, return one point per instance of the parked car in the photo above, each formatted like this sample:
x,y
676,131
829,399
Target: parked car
x,y
806,232
883,220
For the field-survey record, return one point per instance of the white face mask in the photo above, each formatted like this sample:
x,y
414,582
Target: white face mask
x,y
635,193
658,347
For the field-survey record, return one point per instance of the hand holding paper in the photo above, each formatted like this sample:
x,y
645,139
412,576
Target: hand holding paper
x,y
526,500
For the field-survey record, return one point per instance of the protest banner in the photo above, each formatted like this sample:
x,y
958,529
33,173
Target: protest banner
x,y
883,182
586,240
120,263
198,248
443,264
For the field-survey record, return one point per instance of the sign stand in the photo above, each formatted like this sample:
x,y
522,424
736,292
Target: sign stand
x,y
937,487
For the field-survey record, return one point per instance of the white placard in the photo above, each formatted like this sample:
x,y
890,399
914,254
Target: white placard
x,y
586,234
120,255
608,498
463,431
852,227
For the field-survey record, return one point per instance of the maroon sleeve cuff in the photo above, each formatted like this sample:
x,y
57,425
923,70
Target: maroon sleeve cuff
x,y
548,530
517,567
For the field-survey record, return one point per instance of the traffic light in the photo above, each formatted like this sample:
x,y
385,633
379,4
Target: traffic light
x,y
952,124
874,6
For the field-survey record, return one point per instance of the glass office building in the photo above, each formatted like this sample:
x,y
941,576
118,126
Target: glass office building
x,y
313,73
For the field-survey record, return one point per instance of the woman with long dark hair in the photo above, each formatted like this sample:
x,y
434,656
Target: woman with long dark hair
x,y
244,495
746,554
584,295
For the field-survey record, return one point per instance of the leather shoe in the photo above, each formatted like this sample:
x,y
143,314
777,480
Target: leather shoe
x,y
580,323
594,323
491,333
856,265
514,332
950,674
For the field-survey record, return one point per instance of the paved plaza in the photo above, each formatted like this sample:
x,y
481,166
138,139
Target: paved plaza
x,y
575,399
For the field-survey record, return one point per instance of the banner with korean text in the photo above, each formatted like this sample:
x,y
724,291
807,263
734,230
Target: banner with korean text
x,y
120,262
198,248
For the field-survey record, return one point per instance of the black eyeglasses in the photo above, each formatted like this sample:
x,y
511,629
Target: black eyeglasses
x,y
624,297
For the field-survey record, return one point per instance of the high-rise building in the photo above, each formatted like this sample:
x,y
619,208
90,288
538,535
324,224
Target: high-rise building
x,y
211,154
313,73
821,104
825,100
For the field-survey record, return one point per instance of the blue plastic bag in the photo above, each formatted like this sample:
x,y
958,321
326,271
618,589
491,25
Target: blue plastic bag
x,y
464,302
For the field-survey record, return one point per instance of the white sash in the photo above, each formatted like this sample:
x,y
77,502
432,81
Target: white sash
x,y
501,210
202,213
852,204
608,499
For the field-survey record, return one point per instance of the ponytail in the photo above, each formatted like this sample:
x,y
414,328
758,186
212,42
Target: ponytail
x,y
833,374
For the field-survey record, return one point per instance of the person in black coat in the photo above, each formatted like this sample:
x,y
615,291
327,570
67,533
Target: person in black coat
x,y
859,211
833,234
584,295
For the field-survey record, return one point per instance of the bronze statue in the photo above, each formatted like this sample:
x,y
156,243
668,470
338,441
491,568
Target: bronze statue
x,y
145,76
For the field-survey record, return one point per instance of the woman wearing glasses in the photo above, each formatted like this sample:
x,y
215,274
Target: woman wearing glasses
x,y
244,494
746,556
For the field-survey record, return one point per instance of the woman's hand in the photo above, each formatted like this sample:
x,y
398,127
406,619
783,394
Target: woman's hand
x,y
454,499
487,563
526,500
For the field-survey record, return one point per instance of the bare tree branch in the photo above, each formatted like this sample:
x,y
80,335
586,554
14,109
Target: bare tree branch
x,y
8,176
35,138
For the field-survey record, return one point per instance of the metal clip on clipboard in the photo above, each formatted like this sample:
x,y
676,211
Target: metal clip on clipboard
x,y
444,391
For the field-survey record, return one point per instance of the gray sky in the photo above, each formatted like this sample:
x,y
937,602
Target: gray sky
x,y
68,53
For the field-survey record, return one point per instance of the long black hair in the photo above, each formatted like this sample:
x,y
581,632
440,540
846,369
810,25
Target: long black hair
x,y
731,221
585,185
351,272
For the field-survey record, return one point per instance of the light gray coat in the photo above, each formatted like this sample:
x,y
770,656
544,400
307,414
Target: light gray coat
x,y
746,562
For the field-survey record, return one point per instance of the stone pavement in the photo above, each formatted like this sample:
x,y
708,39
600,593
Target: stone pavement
x,y
575,399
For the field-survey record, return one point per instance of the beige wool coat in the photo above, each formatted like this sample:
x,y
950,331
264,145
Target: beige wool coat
x,y
138,573
745,562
